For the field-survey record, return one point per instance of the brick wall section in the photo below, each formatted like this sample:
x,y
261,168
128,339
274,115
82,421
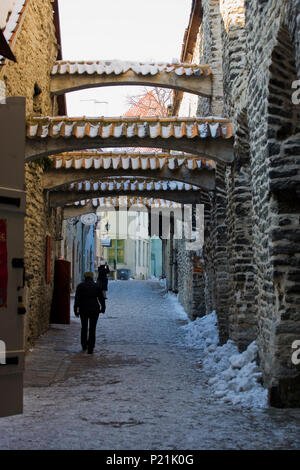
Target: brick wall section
x,y
36,51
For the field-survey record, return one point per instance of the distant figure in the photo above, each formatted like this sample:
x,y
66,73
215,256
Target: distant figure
x,y
89,302
103,271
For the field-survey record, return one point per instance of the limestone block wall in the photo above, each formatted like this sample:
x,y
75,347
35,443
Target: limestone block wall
x,y
234,56
242,305
210,51
211,288
260,62
242,315
191,282
35,50
274,144
217,251
39,223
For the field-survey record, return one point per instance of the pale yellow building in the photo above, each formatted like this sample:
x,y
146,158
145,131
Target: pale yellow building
x,y
123,241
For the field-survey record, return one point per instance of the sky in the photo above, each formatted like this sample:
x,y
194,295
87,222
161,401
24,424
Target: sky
x,y
136,30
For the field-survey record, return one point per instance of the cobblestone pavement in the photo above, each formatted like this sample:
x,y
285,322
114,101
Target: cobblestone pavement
x,y
142,389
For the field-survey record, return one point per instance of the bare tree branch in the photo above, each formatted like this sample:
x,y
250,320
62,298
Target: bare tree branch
x,y
154,101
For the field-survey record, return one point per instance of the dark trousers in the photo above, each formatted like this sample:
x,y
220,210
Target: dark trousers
x,y
88,330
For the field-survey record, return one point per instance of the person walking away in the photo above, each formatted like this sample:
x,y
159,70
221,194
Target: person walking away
x,y
103,271
89,302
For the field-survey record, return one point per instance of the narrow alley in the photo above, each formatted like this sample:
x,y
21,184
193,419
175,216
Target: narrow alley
x,y
142,389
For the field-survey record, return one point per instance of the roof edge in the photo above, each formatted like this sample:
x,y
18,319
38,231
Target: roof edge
x,y
188,46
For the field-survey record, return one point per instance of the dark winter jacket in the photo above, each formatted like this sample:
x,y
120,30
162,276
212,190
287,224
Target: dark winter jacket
x,y
88,298
103,271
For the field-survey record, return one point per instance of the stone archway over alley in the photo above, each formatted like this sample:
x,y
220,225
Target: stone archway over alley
x,y
224,148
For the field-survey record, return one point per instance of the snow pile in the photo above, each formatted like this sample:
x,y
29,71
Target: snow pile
x,y
232,376
177,308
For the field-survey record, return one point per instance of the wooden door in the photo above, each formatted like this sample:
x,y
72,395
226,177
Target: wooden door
x,y
60,309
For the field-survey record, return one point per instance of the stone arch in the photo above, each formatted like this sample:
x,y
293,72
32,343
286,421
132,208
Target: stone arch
x,y
211,149
73,76
72,167
60,198
105,204
55,179
284,235
209,138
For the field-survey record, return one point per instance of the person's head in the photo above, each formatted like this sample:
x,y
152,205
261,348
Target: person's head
x,y
88,276
102,262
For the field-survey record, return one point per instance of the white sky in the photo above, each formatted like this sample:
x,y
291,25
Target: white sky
x,y
137,30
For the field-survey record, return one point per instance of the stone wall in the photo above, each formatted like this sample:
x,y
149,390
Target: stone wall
x,y
39,223
210,52
216,254
252,235
186,275
35,49
242,306
190,280
260,62
203,277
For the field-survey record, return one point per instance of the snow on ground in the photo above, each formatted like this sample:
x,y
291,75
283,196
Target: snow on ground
x,y
233,377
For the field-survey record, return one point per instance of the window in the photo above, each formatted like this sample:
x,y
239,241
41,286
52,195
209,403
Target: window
x,y
116,252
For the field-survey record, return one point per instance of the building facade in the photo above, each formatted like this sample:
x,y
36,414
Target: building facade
x,y
128,240
29,28
78,247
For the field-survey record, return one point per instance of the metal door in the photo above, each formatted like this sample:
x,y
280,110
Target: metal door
x,y
12,212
